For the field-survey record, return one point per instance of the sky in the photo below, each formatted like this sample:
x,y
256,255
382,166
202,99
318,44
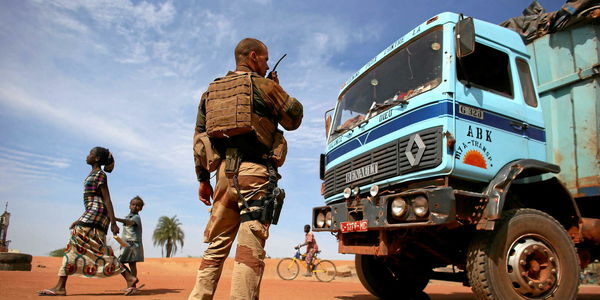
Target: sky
x,y
128,75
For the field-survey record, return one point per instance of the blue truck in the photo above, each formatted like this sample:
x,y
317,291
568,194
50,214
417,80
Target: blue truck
x,y
447,159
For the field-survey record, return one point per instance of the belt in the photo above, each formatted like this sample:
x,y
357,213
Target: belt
x,y
256,160
257,202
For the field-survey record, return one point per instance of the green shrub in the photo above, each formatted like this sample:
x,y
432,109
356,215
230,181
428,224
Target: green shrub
x,y
57,253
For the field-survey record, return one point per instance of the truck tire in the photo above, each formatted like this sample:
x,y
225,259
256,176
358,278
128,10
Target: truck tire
x,y
528,256
20,266
387,280
9,257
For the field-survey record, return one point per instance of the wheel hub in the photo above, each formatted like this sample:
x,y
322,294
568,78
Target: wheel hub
x,y
532,267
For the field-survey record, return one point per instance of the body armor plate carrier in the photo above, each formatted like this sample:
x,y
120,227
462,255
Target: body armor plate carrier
x,y
229,106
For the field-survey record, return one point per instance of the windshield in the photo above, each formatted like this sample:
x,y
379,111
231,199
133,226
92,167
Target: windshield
x,y
412,70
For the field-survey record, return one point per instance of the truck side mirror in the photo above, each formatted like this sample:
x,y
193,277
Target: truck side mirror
x,y
322,161
465,37
328,121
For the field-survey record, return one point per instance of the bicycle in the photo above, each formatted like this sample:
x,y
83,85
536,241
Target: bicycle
x,y
289,268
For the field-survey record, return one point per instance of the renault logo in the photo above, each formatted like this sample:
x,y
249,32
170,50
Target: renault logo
x,y
414,160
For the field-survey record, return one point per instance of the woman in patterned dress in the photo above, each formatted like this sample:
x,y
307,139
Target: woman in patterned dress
x,y
87,254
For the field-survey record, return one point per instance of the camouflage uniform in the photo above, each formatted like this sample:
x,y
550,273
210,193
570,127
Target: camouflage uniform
x,y
225,220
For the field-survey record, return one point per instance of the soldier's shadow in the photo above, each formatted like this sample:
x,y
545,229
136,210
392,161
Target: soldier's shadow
x,y
142,292
158,291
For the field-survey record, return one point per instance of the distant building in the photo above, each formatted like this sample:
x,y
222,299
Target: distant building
x,y
4,220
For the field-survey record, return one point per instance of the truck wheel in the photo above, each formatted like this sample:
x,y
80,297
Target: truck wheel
x,y
9,257
528,256
20,266
387,279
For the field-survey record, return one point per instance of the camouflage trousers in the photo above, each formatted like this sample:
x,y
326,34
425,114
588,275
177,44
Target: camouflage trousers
x,y
221,230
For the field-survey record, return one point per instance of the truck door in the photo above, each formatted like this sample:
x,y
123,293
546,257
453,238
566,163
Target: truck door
x,y
534,133
489,121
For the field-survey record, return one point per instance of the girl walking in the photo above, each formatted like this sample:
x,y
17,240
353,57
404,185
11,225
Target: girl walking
x,y
132,235
87,254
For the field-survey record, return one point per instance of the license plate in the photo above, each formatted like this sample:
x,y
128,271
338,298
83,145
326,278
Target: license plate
x,y
471,111
355,226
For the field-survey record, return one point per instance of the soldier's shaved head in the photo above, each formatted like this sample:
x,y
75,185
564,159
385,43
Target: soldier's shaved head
x,y
245,46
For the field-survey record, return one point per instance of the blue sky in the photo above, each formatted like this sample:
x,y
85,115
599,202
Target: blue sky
x,y
128,75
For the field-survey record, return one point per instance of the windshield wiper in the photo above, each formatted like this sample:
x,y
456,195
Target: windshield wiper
x,y
377,107
340,130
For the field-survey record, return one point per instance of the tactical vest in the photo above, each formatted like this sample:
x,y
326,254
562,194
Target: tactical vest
x,y
230,112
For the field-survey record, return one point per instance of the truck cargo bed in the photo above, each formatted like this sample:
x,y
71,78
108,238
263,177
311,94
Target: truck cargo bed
x,y
567,67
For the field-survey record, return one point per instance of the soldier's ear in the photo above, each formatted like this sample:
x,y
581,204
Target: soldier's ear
x,y
252,55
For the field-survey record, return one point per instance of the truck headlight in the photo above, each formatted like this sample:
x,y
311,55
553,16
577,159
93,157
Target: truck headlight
x,y
328,219
320,220
398,207
347,192
420,206
374,190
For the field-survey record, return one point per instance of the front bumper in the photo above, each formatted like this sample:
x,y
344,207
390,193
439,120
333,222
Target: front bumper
x,y
377,213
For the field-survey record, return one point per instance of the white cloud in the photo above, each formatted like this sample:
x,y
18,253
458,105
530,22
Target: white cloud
x,y
218,28
132,23
263,2
18,167
69,23
135,55
44,159
69,118
109,13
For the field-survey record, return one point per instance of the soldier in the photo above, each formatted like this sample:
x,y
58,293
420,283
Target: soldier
x,y
236,135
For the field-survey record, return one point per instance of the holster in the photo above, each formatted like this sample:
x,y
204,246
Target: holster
x,y
278,205
269,205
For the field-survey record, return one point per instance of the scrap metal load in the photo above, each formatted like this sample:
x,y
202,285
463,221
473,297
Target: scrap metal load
x,y
536,23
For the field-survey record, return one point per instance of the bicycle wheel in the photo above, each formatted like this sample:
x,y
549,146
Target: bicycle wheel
x,y
288,269
325,271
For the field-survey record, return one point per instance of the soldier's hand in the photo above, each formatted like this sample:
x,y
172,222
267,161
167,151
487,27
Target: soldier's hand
x,y
205,192
274,77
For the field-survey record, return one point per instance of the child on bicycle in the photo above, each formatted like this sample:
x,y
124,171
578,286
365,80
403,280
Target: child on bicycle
x,y
311,249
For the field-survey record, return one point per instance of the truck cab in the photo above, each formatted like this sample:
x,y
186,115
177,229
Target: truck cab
x,y
437,156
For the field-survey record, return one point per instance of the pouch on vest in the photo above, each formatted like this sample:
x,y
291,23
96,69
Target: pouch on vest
x,y
229,106
205,152
279,150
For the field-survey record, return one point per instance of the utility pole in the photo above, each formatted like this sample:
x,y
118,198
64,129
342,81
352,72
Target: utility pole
x,y
4,221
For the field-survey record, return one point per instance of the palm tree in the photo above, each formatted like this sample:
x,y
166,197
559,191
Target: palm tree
x,y
167,233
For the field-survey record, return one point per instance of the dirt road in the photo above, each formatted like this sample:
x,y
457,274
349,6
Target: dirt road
x,y
174,278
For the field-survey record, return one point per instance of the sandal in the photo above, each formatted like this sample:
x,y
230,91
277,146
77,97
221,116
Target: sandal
x,y
49,292
130,291
137,287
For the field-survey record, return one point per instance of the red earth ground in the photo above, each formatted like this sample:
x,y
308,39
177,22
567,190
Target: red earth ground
x,y
173,278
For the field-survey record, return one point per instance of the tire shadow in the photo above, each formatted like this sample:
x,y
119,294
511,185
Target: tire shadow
x,y
454,296
432,296
357,297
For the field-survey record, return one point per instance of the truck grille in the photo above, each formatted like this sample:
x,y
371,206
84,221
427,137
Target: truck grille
x,y
390,161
